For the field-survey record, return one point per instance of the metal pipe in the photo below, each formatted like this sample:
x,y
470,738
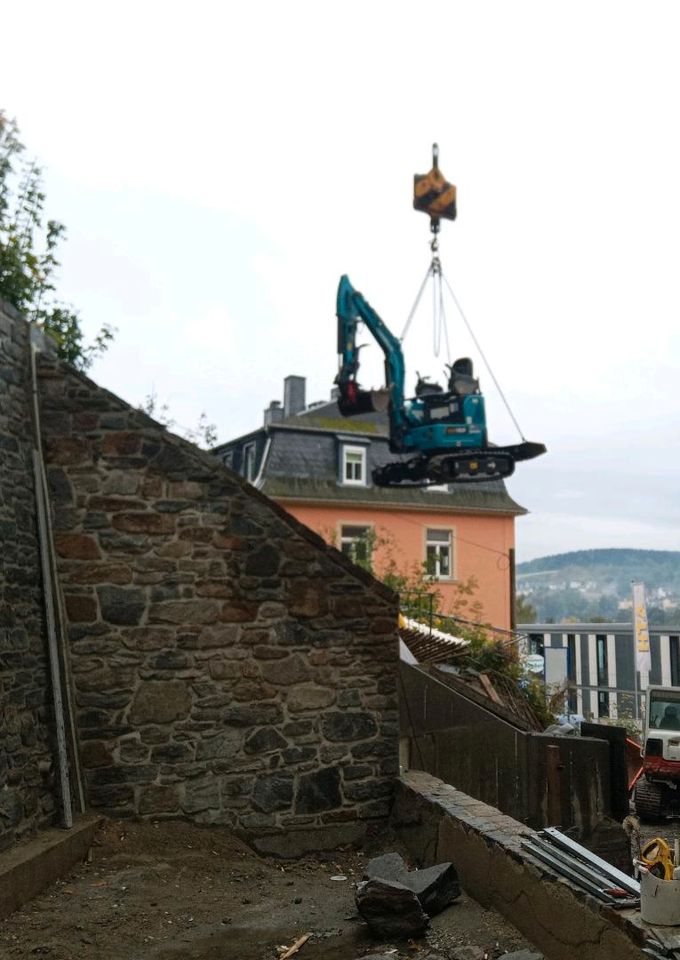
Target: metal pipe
x,y
53,615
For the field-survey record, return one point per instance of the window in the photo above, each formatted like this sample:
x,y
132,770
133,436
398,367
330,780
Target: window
x,y
356,543
571,672
537,644
602,676
674,644
439,554
228,458
249,462
354,466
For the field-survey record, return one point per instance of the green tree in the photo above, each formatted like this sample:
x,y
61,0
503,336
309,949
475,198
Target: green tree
x,y
525,612
203,434
28,253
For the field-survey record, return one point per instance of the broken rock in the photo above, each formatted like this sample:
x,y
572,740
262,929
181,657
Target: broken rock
x,y
436,887
390,909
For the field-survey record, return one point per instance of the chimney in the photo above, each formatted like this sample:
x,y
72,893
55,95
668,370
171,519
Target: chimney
x,y
293,396
273,413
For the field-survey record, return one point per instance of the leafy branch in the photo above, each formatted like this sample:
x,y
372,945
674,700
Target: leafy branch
x,y
28,254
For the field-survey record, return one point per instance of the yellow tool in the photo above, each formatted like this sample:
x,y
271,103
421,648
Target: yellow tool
x,y
656,856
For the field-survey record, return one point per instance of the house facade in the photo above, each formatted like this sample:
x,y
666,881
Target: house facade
x,y
317,464
595,664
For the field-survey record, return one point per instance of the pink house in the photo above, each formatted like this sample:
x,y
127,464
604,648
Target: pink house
x,y
317,465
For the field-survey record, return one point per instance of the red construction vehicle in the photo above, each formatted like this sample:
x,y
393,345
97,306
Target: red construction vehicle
x,y
657,789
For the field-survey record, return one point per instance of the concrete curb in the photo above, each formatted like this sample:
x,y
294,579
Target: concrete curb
x,y
31,866
437,822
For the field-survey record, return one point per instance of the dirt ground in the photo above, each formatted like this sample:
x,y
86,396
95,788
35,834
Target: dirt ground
x,y
175,891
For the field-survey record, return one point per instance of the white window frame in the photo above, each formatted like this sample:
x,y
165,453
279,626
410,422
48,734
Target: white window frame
x,y
249,458
438,543
350,540
354,450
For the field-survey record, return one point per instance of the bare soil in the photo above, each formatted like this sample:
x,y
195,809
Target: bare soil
x,y
176,891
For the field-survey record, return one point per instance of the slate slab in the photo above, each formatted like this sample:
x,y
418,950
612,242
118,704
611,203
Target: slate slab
x,y
390,909
436,887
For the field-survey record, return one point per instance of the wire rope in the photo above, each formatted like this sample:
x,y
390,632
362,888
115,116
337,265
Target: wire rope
x,y
415,305
483,356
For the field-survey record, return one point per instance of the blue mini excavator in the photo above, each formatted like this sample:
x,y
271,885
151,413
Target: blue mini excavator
x,y
444,429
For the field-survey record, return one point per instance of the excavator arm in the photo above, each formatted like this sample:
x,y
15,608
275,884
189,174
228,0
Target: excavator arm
x,y
353,309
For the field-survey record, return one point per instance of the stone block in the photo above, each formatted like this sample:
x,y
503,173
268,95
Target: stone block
x,y
348,726
160,702
145,522
263,562
319,790
81,609
238,611
221,747
147,638
224,669
121,444
391,910
185,611
76,546
265,740
201,795
117,573
95,753
309,697
273,792
171,753
286,672
436,887
121,605
133,751
253,715
307,599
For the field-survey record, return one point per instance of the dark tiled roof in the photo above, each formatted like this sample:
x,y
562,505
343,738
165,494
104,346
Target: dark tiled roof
x,y
460,498
302,459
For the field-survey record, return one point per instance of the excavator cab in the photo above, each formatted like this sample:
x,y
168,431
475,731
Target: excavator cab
x,y
461,380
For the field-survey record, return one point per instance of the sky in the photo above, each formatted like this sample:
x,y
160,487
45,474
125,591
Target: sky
x,y
219,165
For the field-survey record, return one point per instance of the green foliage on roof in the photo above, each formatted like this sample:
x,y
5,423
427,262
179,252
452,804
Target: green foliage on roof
x,y
340,425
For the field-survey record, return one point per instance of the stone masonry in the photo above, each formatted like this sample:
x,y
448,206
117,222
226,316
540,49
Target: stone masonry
x,y
228,666
26,800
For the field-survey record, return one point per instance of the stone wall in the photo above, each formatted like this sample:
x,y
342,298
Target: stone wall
x,y
228,665
26,800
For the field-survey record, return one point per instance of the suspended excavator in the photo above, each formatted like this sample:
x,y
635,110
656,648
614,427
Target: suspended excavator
x,y
443,429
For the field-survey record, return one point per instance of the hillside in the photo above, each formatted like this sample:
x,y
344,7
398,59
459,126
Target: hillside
x,y
588,584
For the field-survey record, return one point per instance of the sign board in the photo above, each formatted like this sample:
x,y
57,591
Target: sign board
x,y
535,663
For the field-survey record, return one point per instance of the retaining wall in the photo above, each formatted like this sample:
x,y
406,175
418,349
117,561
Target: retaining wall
x,y
458,740
439,823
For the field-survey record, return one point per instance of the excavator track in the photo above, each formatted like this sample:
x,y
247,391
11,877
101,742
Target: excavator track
x,y
456,466
649,801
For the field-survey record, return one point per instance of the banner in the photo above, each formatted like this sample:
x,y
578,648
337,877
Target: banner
x,y
643,658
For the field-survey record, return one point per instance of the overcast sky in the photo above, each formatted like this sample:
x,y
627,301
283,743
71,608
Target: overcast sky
x,y
220,165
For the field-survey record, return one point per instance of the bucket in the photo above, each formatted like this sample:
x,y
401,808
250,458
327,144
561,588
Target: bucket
x,y
659,899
